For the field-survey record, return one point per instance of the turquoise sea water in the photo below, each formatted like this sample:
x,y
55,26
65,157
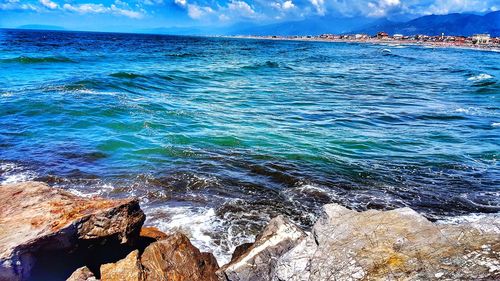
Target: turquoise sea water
x,y
215,136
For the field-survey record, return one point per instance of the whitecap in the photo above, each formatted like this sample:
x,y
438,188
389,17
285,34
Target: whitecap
x,y
89,191
496,124
12,173
476,220
468,110
480,77
200,224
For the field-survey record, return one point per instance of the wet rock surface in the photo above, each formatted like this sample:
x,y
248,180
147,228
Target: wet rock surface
x,y
258,261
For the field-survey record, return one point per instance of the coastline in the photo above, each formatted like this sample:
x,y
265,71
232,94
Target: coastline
x,y
443,45
92,239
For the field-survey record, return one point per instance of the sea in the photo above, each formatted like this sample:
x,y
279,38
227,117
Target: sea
x,y
216,136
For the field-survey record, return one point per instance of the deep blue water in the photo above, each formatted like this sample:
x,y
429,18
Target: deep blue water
x,y
217,135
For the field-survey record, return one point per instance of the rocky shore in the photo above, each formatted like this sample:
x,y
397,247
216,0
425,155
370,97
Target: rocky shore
x,y
50,234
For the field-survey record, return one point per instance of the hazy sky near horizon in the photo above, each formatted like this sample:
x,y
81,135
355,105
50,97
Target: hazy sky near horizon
x,y
123,14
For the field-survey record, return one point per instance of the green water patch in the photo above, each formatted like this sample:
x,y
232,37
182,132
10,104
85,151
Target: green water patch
x,y
228,141
168,151
114,145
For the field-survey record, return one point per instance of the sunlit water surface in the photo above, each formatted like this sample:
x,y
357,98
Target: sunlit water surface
x,y
216,136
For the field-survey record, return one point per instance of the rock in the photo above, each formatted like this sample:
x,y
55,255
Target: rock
x,y
128,269
153,233
176,259
258,260
390,245
240,251
38,221
82,274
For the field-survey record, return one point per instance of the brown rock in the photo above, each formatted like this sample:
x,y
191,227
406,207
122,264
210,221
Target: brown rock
x,y
153,233
176,259
127,269
82,274
37,220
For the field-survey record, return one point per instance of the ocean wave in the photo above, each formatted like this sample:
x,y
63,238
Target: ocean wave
x,y
199,224
474,219
34,60
496,124
13,173
267,64
480,77
309,191
468,110
481,201
127,75
182,55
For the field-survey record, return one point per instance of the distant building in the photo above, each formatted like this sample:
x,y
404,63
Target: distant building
x,y
397,36
382,35
361,37
481,39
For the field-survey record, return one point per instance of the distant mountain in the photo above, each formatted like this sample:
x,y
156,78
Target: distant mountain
x,y
311,26
40,27
305,27
451,24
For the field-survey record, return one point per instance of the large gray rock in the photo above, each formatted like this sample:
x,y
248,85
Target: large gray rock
x,y
391,245
257,262
38,221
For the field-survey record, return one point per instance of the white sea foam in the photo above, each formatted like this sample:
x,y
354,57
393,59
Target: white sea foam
x,y
12,173
306,190
480,77
492,225
468,110
496,124
204,228
101,190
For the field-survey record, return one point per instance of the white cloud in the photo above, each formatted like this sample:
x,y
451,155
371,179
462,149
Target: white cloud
x,y
242,8
90,8
198,12
182,3
125,12
454,6
49,4
16,5
152,2
288,5
86,8
319,5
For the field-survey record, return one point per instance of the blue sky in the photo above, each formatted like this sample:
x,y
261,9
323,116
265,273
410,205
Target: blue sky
x,y
121,15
